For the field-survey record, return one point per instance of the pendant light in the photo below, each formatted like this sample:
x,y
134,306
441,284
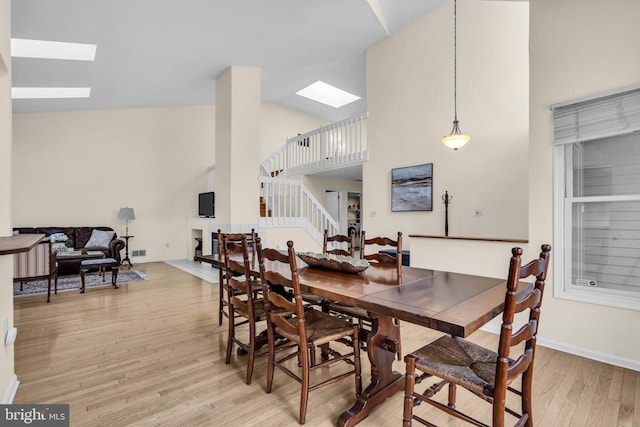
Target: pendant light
x,y
456,138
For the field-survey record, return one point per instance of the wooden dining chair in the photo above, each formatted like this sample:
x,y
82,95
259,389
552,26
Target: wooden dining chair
x,y
329,246
243,305
336,240
369,250
307,329
222,284
484,372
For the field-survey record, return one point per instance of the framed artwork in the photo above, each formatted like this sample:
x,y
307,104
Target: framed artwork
x,y
411,188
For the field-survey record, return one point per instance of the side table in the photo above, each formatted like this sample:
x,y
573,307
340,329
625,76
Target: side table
x,y
126,250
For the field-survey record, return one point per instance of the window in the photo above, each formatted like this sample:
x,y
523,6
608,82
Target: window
x,y
597,199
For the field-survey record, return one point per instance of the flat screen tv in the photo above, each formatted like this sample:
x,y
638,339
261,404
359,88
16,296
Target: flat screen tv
x,y
206,205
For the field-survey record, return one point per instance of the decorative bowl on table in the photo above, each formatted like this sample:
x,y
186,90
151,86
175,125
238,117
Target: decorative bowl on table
x,y
343,263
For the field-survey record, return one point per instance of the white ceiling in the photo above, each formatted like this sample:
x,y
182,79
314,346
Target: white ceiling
x,y
169,52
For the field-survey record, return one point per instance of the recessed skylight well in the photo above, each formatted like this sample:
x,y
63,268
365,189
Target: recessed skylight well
x,y
327,94
50,92
43,49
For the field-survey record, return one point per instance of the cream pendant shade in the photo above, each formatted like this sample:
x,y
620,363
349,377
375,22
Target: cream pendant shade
x,y
456,139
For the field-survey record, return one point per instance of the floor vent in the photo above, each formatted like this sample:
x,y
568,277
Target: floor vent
x,y
142,252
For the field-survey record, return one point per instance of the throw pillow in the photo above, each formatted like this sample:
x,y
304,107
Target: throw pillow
x,y
100,239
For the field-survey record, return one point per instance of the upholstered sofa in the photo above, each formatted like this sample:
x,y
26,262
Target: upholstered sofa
x,y
80,238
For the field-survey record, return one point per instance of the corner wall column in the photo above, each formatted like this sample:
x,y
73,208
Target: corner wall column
x,y
237,145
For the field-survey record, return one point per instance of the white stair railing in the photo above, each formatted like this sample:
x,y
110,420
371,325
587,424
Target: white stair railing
x,y
290,204
328,147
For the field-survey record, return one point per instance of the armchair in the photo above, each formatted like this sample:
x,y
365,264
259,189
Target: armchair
x,y
38,263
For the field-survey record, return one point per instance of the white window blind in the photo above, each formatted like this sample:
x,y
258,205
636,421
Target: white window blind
x,y
597,199
597,117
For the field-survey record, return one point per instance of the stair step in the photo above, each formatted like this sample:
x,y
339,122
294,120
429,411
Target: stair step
x,y
263,208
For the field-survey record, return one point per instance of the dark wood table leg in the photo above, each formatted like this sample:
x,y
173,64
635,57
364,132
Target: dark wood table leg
x,y
382,346
82,273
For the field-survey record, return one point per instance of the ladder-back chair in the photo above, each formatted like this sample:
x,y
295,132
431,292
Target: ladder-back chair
x,y
484,372
331,244
307,329
242,305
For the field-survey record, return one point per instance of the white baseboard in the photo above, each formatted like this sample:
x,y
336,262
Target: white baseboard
x,y
10,392
579,351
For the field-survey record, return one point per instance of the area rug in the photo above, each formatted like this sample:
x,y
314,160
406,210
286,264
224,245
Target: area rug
x,y
72,282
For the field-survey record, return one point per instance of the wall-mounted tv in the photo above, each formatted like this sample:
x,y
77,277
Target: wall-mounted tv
x,y
207,205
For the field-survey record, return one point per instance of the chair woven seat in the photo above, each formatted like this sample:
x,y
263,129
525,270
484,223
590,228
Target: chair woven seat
x,y
461,362
321,328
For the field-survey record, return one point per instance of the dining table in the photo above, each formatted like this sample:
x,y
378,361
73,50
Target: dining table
x,y
453,303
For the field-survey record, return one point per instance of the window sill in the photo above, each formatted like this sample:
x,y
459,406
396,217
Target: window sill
x,y
598,296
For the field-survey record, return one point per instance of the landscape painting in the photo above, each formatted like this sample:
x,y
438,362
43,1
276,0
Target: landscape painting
x,y
411,188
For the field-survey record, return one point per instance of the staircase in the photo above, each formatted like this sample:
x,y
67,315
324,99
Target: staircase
x,y
285,201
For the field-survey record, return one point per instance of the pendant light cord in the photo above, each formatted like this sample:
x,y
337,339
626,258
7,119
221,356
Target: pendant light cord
x,y
455,60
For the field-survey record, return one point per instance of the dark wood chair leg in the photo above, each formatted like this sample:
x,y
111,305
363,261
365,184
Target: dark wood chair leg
x,y
252,351
304,396
409,384
230,335
220,296
272,356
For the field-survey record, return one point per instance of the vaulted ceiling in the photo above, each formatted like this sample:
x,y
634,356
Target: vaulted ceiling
x,y
154,53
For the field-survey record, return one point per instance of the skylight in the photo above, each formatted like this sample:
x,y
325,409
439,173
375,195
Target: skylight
x,y
43,49
327,94
49,92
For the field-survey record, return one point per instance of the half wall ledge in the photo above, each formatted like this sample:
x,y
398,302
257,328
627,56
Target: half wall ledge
x,y
481,239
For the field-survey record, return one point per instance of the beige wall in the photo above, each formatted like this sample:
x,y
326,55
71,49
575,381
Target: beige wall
x,y
278,123
80,168
577,50
7,376
410,104
574,51
154,160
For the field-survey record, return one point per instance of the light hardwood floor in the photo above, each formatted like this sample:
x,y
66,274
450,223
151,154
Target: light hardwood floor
x,y
152,354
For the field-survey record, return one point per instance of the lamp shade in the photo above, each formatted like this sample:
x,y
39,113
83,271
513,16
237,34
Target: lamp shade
x,y
126,214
